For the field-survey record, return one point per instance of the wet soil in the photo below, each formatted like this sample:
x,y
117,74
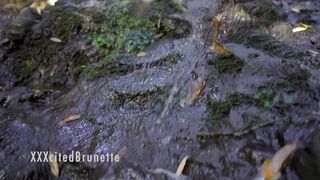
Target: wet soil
x,y
131,105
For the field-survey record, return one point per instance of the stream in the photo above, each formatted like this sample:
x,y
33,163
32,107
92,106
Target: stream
x,y
264,97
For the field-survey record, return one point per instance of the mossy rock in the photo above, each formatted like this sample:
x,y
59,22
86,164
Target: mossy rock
x,y
42,62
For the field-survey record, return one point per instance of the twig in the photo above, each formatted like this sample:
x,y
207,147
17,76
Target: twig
x,y
204,135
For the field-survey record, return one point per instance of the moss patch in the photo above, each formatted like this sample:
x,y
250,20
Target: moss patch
x,y
227,64
122,33
273,47
63,24
44,63
220,109
296,79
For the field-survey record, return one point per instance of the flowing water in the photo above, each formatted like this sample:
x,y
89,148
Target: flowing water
x,y
137,109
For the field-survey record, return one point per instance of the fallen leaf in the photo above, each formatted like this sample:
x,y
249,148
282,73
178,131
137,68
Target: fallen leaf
x,y
217,22
299,29
52,2
296,9
303,27
39,6
53,70
182,166
157,36
122,152
197,89
199,86
56,40
69,118
271,168
53,163
141,54
312,52
220,50
169,174
159,23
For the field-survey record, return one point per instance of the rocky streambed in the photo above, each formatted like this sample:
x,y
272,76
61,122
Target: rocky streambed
x,y
138,104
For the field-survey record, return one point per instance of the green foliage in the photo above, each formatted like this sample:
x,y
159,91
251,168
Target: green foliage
x,y
264,99
123,33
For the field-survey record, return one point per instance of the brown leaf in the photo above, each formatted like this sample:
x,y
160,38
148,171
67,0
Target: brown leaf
x,y
141,54
220,50
198,87
53,70
2,88
182,166
217,22
271,168
69,118
54,165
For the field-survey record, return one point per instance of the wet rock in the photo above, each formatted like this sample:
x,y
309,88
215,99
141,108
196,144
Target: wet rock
x,y
307,159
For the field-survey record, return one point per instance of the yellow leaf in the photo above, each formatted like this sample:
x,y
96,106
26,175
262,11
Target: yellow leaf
x,y
303,27
53,163
299,29
182,165
39,6
201,87
141,54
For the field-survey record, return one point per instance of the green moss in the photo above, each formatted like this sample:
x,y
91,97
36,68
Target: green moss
x,y
227,64
264,99
63,24
297,80
23,70
105,66
273,47
177,7
293,81
122,33
220,109
144,99
266,12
